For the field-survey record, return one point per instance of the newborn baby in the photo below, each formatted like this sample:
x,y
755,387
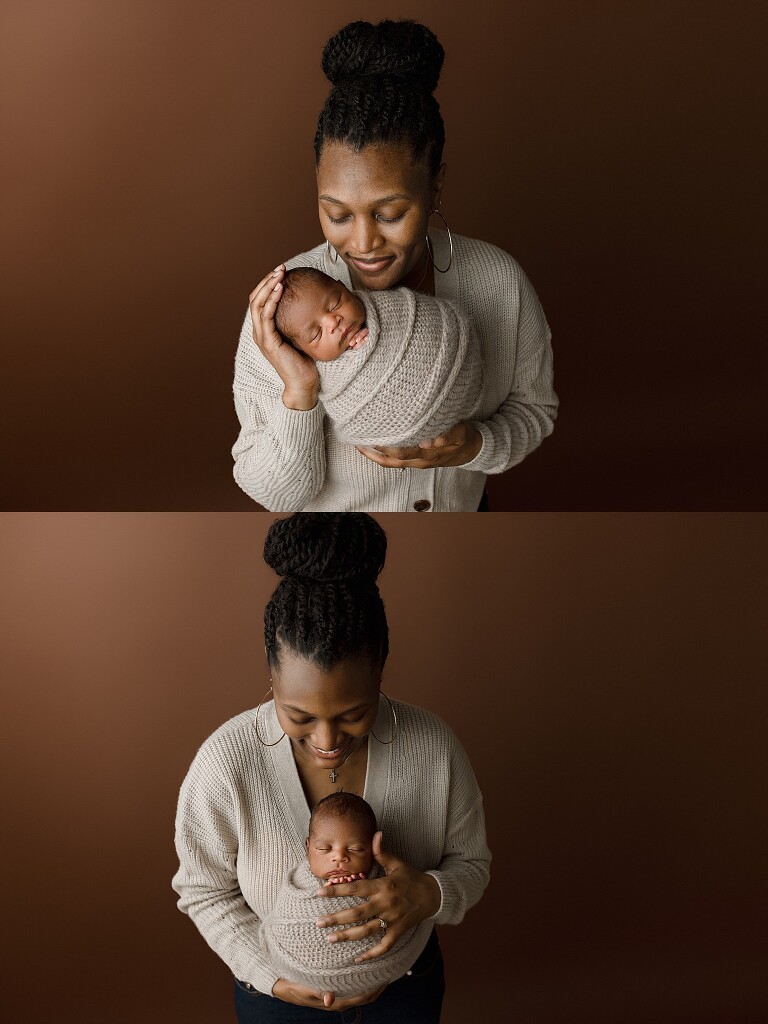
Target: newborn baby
x,y
396,367
339,849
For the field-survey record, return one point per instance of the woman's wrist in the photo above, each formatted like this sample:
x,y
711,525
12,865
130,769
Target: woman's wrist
x,y
302,400
433,895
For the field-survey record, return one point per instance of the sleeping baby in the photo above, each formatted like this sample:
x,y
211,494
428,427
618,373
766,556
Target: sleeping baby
x,y
396,367
339,849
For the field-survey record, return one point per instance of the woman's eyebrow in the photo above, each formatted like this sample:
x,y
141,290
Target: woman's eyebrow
x,y
301,711
376,202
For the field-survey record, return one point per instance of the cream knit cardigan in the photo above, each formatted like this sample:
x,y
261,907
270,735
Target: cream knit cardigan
x,y
299,951
289,460
243,818
418,373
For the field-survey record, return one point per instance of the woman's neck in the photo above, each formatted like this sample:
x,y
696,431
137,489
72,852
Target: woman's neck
x,y
318,782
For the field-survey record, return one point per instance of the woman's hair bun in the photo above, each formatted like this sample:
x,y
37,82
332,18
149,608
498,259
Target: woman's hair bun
x,y
327,546
402,49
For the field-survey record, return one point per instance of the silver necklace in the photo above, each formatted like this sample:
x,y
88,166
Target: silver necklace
x,y
333,774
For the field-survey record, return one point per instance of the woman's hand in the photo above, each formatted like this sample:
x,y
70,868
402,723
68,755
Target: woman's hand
x,y
457,447
297,371
301,996
403,899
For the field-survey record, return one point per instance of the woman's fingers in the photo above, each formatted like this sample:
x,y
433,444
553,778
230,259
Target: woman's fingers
x,y
359,1000
388,462
271,278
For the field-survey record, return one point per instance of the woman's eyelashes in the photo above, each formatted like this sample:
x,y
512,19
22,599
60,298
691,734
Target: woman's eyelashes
x,y
379,217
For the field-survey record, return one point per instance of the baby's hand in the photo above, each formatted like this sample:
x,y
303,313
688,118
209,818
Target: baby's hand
x,y
344,878
359,339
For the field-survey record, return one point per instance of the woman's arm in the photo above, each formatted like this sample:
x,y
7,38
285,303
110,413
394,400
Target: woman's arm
x,y
210,894
527,415
280,453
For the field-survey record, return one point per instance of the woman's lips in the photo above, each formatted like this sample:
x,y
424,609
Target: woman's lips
x,y
326,755
372,267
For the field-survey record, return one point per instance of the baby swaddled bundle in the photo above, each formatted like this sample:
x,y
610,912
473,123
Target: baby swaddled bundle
x,y
300,952
418,374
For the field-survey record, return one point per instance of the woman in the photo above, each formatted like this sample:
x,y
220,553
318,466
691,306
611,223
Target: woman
x,y
380,176
245,804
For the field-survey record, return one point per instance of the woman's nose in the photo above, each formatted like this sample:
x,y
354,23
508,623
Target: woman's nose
x,y
366,236
324,738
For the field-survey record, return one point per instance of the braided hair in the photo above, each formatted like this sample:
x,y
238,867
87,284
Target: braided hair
x,y
383,78
327,607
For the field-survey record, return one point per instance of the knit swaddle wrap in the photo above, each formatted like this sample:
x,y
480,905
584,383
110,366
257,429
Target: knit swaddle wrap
x,y
418,374
300,952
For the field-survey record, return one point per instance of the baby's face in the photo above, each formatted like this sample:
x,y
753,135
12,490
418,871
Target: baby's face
x,y
325,320
337,846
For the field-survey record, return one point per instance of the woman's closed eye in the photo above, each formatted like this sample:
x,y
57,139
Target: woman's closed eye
x,y
379,217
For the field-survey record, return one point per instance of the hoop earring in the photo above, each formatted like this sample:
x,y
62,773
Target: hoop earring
x,y
394,719
328,250
450,242
256,723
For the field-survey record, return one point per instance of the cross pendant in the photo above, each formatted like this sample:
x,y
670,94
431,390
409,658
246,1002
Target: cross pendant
x,y
333,776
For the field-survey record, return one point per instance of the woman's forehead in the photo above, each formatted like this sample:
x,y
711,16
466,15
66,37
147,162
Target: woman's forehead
x,y
302,684
375,173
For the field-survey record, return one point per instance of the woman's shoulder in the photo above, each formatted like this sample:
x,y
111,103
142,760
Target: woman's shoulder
x,y
229,745
311,258
418,722
485,258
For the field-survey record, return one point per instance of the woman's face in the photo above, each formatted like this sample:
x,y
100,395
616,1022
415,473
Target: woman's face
x,y
374,208
326,713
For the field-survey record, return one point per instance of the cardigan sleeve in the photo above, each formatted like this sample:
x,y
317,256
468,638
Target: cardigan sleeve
x,y
464,869
528,413
207,882
280,453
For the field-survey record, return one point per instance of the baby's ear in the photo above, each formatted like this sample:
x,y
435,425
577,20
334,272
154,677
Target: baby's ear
x,y
306,843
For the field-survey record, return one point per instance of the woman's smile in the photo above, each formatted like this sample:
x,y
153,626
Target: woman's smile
x,y
371,266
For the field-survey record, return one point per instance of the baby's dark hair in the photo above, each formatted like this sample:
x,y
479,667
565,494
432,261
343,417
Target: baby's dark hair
x,y
345,805
383,78
328,607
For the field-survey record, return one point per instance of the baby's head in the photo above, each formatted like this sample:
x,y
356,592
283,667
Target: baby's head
x,y
318,315
340,840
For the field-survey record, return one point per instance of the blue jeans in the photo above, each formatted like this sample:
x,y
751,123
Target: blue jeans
x,y
412,999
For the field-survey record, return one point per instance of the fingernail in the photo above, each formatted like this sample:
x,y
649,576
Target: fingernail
x,y
278,286
278,269
331,938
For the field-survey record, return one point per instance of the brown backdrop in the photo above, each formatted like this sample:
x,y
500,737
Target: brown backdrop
x,y
606,674
157,161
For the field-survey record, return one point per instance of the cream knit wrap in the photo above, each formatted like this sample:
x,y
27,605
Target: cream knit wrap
x,y
418,374
300,952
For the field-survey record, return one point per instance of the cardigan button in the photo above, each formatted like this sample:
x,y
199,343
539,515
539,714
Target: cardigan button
x,y
422,505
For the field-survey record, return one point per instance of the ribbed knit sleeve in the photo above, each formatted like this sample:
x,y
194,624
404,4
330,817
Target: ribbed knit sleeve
x,y
527,413
207,882
463,872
